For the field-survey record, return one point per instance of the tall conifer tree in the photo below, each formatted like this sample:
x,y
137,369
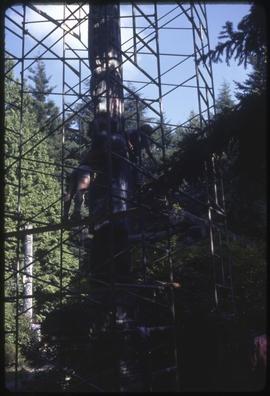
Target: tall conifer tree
x,y
224,100
47,113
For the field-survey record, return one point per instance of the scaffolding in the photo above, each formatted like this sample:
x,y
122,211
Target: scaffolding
x,y
157,73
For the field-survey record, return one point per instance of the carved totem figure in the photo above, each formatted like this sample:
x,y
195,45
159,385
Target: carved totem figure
x,y
109,190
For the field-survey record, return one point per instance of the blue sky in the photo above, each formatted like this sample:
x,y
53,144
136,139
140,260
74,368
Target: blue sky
x,y
178,104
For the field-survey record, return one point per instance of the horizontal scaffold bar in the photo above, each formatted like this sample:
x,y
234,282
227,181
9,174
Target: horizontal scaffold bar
x,y
92,222
95,223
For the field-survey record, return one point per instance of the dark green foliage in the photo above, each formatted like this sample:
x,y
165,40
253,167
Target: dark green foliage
x,y
255,84
250,282
231,137
237,136
248,43
245,177
39,199
83,347
88,347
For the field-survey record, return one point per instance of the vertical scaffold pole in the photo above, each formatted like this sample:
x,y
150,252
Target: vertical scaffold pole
x,y
19,170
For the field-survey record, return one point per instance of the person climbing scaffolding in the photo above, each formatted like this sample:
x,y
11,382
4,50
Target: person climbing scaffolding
x,y
79,182
93,169
138,140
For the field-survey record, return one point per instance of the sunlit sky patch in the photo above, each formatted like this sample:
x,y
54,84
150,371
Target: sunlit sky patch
x,y
178,105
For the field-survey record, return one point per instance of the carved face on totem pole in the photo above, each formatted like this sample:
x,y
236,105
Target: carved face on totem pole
x,y
105,61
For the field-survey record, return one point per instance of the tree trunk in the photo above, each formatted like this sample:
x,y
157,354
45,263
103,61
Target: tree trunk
x,y
27,278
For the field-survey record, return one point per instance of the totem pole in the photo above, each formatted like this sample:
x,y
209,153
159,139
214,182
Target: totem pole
x,y
109,190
